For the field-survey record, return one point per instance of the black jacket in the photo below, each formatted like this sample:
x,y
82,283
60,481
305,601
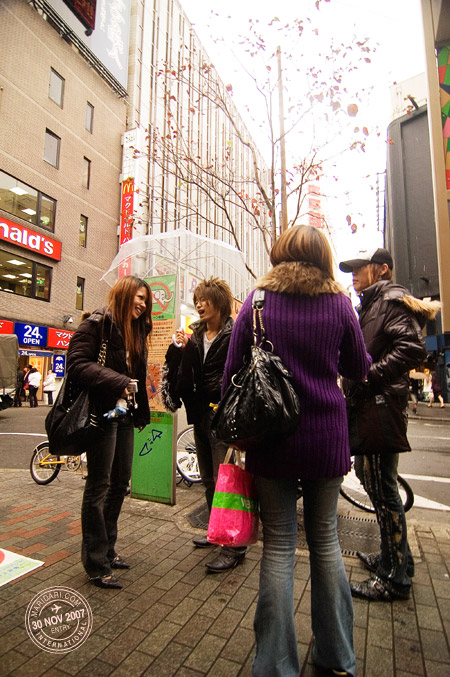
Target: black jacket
x,y
392,321
189,378
107,382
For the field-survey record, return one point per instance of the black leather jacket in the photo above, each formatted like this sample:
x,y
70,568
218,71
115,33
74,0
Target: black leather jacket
x,y
107,382
391,321
189,378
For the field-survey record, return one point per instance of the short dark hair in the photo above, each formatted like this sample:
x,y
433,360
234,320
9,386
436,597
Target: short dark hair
x,y
218,293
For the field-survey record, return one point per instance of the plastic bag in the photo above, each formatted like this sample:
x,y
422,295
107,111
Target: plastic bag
x,y
235,512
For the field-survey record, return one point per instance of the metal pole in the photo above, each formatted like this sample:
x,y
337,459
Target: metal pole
x,y
284,214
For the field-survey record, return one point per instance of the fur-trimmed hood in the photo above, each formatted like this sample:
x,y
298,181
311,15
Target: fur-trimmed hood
x,y
298,277
390,291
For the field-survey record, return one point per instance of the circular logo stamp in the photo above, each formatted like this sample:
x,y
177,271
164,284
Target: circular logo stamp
x,y
58,619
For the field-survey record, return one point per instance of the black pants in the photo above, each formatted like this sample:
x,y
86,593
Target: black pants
x,y
109,470
32,396
49,394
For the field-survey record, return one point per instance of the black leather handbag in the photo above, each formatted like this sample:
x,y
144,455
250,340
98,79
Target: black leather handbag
x,y
260,401
74,422
376,422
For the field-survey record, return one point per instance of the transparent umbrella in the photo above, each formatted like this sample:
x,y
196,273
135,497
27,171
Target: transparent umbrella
x,y
163,253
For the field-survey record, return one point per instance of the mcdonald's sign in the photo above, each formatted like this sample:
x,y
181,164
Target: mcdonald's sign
x,y
126,211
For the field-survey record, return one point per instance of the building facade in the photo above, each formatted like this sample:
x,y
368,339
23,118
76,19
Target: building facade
x,y
60,164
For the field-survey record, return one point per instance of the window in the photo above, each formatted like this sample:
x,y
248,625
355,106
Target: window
x,y
51,148
56,88
24,277
89,117
86,172
82,234
27,203
79,300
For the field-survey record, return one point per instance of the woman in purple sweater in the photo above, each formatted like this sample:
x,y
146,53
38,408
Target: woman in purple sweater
x,y
314,330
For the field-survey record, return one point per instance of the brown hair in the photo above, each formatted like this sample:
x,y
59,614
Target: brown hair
x,y
374,270
120,307
306,244
218,293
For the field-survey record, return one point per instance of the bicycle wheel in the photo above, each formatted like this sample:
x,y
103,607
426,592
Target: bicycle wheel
x,y
42,470
187,464
353,491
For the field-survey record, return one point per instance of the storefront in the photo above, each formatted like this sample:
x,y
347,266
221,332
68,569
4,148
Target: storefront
x,y
41,347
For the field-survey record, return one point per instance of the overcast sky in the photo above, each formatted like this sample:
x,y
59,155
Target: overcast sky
x,y
395,25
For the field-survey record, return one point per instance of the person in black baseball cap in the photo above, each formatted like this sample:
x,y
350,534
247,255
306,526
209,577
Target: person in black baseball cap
x,y
391,321
379,255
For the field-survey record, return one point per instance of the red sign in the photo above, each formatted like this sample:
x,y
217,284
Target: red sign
x,y
126,212
6,327
59,338
85,11
28,239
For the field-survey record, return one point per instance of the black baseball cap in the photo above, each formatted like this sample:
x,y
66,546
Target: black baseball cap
x,y
379,255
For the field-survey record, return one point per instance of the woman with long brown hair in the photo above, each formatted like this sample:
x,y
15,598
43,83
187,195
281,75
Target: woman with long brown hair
x,y
124,327
312,326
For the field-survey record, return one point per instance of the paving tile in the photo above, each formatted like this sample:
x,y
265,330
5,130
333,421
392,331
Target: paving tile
x,y
205,653
379,632
155,642
435,669
226,622
408,656
170,660
378,661
225,668
135,664
122,646
434,646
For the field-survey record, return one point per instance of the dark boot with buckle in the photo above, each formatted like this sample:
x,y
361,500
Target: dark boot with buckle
x,y
119,563
228,559
376,590
202,543
371,561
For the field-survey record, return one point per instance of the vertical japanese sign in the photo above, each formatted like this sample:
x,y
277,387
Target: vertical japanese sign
x,y
153,466
126,211
126,222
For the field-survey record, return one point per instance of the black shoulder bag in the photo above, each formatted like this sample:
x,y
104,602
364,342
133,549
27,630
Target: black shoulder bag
x,y
73,423
260,401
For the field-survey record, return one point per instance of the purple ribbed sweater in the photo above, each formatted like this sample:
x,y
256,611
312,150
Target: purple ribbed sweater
x,y
317,337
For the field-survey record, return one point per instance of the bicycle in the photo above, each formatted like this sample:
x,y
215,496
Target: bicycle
x,y
44,466
187,462
351,489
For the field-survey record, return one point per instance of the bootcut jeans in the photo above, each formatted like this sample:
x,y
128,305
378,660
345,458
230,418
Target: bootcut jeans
x,y
109,471
331,601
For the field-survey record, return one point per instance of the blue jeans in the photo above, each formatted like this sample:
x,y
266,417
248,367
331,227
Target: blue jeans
x,y
109,471
379,476
331,601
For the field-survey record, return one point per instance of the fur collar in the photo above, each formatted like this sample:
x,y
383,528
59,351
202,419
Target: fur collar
x,y
298,277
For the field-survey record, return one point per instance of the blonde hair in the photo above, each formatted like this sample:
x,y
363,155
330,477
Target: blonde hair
x,y
218,293
374,273
303,243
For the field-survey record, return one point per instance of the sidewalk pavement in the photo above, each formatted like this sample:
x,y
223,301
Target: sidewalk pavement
x,y
172,618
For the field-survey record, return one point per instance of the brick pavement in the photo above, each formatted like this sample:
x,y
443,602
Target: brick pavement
x,y
171,618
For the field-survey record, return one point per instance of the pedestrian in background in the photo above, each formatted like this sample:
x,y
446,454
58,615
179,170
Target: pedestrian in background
x,y
193,375
34,380
391,321
49,386
435,392
19,388
125,325
311,323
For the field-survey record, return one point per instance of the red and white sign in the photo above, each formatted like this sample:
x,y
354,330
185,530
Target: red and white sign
x,y
28,239
6,327
126,211
58,338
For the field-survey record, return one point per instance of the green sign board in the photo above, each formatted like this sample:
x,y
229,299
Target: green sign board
x,y
152,477
164,296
